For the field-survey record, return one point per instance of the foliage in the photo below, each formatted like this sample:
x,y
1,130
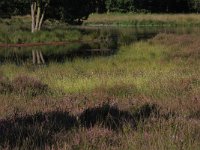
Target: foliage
x,y
120,5
70,10
158,6
195,5
78,10
4,9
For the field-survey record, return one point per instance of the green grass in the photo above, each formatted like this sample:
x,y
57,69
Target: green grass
x,y
138,64
18,30
163,70
43,36
131,19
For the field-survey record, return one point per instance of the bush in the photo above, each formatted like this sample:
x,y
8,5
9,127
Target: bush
x,y
5,85
28,86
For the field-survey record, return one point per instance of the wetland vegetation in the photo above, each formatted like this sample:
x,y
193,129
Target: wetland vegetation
x,y
119,81
91,102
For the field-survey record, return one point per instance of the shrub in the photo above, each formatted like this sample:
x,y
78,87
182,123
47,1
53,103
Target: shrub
x,y
28,86
5,85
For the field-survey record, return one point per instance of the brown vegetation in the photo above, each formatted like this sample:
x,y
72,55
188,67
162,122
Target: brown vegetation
x,y
40,129
145,97
28,86
184,46
5,86
24,85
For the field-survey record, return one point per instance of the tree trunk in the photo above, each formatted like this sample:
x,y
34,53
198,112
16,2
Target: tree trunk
x,y
33,8
41,57
41,21
37,18
38,58
34,57
37,15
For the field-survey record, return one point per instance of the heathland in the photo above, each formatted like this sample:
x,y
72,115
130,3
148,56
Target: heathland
x,y
144,95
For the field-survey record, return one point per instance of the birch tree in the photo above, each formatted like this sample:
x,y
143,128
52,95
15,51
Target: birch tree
x,y
38,9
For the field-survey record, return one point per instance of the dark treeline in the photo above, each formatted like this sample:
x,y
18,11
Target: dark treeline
x,y
153,6
70,10
67,10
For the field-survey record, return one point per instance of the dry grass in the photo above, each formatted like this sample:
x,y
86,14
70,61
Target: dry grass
x,y
184,46
144,19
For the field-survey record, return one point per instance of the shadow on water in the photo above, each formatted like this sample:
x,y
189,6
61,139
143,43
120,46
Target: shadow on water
x,y
108,43
39,129
58,54
109,40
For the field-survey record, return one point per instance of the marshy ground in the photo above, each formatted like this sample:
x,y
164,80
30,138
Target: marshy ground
x,y
146,95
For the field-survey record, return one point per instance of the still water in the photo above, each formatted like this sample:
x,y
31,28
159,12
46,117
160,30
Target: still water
x,y
106,42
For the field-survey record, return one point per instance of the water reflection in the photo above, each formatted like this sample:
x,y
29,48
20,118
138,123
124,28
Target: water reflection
x,y
106,41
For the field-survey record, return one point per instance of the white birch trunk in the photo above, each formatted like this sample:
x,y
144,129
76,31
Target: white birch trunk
x,y
33,17
41,20
37,15
37,18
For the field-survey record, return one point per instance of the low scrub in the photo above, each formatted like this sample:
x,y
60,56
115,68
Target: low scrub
x,y
41,129
23,85
5,85
184,46
118,90
28,86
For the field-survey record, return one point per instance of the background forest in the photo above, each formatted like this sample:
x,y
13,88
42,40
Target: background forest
x,y
78,8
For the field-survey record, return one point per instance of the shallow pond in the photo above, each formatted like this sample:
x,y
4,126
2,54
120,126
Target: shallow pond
x,y
105,42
